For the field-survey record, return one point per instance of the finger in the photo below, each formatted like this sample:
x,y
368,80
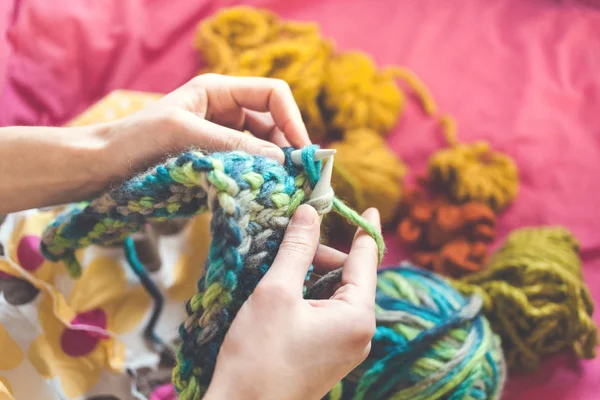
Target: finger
x,y
262,126
274,96
327,259
360,269
296,252
213,137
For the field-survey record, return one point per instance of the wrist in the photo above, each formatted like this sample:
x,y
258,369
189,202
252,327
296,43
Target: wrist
x,y
91,145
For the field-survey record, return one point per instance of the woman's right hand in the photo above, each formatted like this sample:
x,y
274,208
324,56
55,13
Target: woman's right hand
x,y
281,346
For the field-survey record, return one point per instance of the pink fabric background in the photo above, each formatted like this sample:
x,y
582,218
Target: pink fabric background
x,y
523,74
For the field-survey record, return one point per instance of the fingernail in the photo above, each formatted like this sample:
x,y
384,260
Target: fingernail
x,y
304,216
271,152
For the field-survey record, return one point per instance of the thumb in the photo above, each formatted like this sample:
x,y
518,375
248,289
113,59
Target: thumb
x,y
296,252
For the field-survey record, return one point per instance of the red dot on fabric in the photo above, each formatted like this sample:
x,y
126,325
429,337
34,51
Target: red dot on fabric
x,y
78,342
164,392
28,253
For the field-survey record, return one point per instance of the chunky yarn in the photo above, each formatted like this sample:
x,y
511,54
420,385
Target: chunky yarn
x,y
366,173
244,41
535,297
336,91
251,199
450,239
356,95
473,172
430,343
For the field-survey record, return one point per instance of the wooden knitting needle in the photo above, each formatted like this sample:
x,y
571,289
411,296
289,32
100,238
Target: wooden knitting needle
x,y
320,154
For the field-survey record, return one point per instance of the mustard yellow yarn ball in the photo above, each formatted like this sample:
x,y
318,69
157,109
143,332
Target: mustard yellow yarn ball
x,y
357,95
366,173
467,172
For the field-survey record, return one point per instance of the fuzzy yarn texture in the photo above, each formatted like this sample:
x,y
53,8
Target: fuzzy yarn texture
x,y
535,297
246,41
372,179
431,342
251,199
344,97
474,172
450,239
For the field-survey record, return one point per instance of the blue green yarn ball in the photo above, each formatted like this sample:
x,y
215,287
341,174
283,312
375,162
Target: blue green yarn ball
x,y
430,343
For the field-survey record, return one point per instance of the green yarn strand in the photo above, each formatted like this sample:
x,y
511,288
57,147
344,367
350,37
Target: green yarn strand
x,y
357,220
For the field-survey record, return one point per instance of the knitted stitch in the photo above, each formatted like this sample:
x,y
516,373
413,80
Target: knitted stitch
x,y
430,343
251,199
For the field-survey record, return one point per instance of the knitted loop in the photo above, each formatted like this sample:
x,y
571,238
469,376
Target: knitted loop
x,y
251,199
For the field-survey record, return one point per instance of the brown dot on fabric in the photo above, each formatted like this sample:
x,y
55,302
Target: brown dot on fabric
x,y
17,291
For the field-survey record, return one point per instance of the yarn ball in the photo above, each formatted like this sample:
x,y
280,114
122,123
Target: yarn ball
x,y
366,173
231,31
450,239
245,41
431,342
474,173
336,91
358,95
535,297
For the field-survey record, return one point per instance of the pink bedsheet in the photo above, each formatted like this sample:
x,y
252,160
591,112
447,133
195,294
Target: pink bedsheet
x,y
524,75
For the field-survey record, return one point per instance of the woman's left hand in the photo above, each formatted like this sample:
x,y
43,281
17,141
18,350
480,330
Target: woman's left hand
x,y
210,112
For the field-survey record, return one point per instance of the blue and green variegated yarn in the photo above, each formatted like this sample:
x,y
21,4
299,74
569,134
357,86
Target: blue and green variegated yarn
x,y
251,199
430,343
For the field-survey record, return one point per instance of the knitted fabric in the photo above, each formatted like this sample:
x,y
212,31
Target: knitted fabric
x,y
430,343
251,199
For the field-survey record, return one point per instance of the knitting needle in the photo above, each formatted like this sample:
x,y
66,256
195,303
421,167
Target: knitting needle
x,y
320,154
323,188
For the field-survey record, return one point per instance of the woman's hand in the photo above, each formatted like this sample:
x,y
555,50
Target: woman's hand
x,y
210,112
43,166
281,346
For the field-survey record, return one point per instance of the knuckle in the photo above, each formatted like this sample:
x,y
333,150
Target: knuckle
x,y
267,293
171,118
200,81
235,142
281,86
367,248
294,243
364,329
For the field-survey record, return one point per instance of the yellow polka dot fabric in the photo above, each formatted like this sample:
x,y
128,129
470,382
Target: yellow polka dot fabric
x,y
117,104
83,338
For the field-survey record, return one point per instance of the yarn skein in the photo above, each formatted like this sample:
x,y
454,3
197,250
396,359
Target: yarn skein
x,y
535,297
473,172
336,91
450,239
366,173
430,343
245,41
